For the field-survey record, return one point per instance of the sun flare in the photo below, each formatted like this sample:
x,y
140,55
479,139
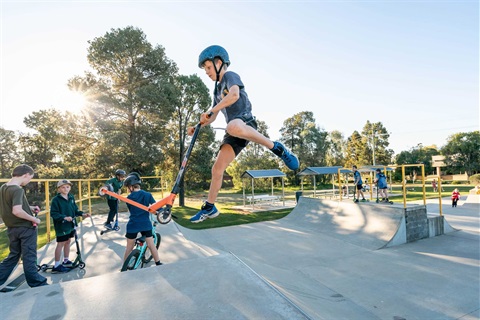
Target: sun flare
x,y
72,101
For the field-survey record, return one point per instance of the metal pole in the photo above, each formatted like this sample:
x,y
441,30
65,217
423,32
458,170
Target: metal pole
x,y
89,198
47,209
404,188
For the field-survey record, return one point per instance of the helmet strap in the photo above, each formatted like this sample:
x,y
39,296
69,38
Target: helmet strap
x,y
217,71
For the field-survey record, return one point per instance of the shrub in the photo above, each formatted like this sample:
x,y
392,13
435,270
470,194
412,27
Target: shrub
x,y
475,179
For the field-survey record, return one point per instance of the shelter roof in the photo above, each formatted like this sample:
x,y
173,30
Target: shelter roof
x,y
312,171
270,173
373,168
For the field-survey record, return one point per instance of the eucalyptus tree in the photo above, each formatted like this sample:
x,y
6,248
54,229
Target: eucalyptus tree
x,y
375,138
191,99
462,152
417,155
131,93
9,153
355,153
336,149
306,139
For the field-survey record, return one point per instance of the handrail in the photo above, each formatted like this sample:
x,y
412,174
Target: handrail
x,y
84,193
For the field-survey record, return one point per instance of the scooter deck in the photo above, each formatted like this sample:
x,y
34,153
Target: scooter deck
x,y
14,284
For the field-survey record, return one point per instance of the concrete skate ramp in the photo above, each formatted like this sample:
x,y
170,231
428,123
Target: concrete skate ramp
x,y
367,224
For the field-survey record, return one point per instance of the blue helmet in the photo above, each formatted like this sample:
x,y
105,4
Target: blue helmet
x,y
211,53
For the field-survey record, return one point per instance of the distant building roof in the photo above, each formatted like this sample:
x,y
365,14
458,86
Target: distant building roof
x,y
270,173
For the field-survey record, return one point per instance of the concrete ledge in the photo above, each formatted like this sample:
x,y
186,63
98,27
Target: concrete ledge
x,y
437,225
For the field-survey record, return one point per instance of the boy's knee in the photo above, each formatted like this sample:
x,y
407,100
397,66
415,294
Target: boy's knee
x,y
236,127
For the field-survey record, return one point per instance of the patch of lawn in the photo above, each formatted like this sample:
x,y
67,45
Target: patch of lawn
x,y
227,217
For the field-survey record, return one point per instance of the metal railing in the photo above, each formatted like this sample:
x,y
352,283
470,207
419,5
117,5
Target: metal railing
x,y
39,192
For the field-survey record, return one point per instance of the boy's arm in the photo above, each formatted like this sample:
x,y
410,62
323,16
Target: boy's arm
x,y
20,213
232,97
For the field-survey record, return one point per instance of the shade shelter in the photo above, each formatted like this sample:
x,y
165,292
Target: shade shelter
x,y
384,169
263,174
314,171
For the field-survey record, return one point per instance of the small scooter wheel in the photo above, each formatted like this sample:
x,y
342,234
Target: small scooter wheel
x,y
164,218
117,228
101,191
43,267
81,265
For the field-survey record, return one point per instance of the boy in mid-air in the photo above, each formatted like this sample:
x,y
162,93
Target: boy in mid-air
x,y
231,99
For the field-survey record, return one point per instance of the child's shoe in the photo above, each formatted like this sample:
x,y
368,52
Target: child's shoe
x,y
290,160
67,263
60,269
204,214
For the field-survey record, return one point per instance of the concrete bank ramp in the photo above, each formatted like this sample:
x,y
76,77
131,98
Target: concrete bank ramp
x,y
193,283
218,287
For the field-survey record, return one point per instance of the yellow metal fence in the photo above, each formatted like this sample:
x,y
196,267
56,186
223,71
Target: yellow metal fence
x,y
40,191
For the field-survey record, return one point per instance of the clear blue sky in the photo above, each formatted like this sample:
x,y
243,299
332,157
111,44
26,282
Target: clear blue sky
x,y
413,65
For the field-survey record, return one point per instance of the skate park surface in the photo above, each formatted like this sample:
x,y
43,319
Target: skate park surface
x,y
325,260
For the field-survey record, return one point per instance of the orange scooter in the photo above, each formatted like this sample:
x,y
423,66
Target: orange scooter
x,y
162,208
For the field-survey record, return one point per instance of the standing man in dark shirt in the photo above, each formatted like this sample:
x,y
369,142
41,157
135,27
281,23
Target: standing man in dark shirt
x,y
21,224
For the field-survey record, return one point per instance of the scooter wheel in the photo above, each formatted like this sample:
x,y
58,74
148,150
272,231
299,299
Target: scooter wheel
x,y
43,267
164,218
117,228
39,268
81,265
102,232
101,191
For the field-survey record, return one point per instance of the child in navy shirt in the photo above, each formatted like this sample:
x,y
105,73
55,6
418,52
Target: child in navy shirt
x,y
139,220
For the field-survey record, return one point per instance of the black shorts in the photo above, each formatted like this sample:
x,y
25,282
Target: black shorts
x,y
238,144
133,235
359,187
66,237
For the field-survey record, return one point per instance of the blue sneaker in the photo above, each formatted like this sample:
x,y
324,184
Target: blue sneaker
x,y
205,214
67,263
60,269
290,160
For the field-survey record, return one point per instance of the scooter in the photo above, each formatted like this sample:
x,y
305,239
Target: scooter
x,y
78,262
162,208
